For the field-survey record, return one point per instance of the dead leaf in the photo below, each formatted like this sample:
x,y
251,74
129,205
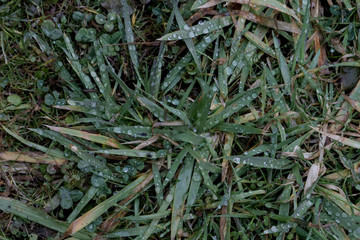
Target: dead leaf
x,y
312,177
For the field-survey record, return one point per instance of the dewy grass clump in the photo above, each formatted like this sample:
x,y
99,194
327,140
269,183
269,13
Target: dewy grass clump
x,y
166,120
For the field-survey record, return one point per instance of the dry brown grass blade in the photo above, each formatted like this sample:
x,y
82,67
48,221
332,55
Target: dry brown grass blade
x,y
31,157
112,222
148,142
335,188
168,124
355,104
343,140
312,177
267,21
338,175
343,113
128,191
269,3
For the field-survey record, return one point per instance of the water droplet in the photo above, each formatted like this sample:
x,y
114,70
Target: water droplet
x,y
208,39
205,31
196,177
169,198
228,71
274,229
117,129
344,215
74,148
186,27
191,34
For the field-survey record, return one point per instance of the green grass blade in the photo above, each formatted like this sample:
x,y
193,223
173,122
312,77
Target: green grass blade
x,y
35,215
200,29
97,138
180,193
261,162
189,42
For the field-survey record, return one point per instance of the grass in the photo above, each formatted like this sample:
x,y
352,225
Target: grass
x,y
165,120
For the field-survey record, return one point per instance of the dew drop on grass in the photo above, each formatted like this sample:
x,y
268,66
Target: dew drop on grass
x,y
228,71
186,27
169,198
274,229
196,177
191,34
117,130
208,39
205,31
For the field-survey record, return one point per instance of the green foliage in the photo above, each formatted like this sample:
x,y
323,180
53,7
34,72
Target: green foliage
x,y
226,127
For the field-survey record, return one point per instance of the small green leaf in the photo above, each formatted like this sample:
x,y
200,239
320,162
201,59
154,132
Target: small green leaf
x,y
49,99
14,99
100,19
76,195
66,201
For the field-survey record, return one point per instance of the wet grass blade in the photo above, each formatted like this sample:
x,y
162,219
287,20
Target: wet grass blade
x,y
260,44
261,162
35,215
156,70
136,231
174,76
133,131
237,128
155,109
101,208
180,194
76,148
83,202
165,204
274,4
189,42
238,102
222,74
283,66
52,152
129,153
174,167
97,138
200,29
73,59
